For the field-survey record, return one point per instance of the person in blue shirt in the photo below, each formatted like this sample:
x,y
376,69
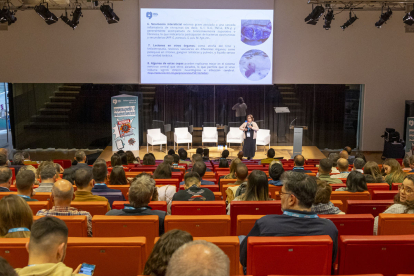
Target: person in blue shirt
x,y
100,175
275,172
200,168
299,161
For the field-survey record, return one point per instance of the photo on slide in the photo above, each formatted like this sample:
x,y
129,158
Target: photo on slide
x,y
255,65
255,32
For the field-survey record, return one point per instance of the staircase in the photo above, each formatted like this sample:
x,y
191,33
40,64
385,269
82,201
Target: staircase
x,y
56,113
290,99
148,96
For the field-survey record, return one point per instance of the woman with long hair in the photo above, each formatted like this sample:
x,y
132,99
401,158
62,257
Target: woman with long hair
x,y
16,217
372,173
163,171
403,201
116,160
355,182
117,177
149,160
131,157
233,166
393,171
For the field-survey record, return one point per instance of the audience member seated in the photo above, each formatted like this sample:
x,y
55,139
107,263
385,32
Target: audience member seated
x,y
325,168
240,155
362,156
41,166
355,183
169,159
200,151
6,269
163,249
322,204
412,163
140,195
176,161
124,158
241,176
47,179
343,167
183,156
117,177
81,159
223,163
233,166
206,155
198,158
99,175
257,189
84,185
199,258
149,160
297,196
27,160
270,157
225,154
334,157
359,164
16,217
344,154
62,196
275,172
406,164
171,152
18,160
163,171
200,168
372,173
299,162
193,190
116,161
4,162
131,157
25,180
47,249
6,176
393,171
350,158
403,201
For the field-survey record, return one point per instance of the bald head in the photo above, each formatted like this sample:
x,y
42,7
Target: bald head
x,y
62,191
343,164
240,155
299,160
199,258
344,154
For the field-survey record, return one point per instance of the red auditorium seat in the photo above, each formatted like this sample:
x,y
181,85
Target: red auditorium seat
x,y
174,182
396,224
93,207
213,188
194,208
344,196
384,195
155,205
289,255
377,187
200,226
362,224
123,188
373,207
252,208
388,255
394,186
77,225
38,205
143,169
336,186
14,251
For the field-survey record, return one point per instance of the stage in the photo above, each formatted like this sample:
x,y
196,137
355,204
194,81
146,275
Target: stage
x,y
309,152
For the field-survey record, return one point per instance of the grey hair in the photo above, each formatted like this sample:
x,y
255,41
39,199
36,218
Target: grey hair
x,y
18,159
199,258
359,163
141,191
57,193
48,171
80,155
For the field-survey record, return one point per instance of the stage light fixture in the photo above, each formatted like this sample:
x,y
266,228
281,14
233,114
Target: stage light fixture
x,y
45,13
350,21
409,18
314,16
7,16
383,18
329,16
76,14
109,14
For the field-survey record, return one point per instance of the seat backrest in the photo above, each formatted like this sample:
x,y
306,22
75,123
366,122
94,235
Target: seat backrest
x,y
245,223
110,196
314,253
373,207
195,208
396,224
93,207
200,226
123,188
155,205
388,255
44,197
252,208
344,196
383,195
213,188
112,256
377,186
273,190
338,203
144,169
336,186
181,132
14,251
361,224
235,132
127,226
172,181
38,205
3,194
154,133
77,225
262,133
209,131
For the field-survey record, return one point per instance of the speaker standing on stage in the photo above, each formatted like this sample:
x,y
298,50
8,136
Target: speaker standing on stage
x,y
250,129
240,108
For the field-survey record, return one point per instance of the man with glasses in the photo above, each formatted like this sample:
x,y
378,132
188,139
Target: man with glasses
x,y
403,201
297,196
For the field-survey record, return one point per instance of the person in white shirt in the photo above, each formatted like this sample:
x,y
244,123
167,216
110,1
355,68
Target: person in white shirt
x,y
343,167
359,164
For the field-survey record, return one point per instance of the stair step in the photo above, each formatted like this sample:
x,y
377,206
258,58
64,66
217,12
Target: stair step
x,y
54,111
57,105
69,88
292,104
62,99
67,93
147,88
46,125
50,118
72,84
287,93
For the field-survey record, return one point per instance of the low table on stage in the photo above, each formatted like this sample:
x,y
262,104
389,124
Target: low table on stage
x,y
214,152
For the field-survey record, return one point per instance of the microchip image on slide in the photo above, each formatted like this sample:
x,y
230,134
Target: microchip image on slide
x,y
255,65
255,32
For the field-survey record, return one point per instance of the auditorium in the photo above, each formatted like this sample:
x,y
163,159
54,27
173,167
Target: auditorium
x,y
206,138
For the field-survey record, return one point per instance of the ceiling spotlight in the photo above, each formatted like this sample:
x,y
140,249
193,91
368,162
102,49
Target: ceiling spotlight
x,y
329,16
351,20
409,18
45,13
313,17
109,14
7,16
384,18
76,14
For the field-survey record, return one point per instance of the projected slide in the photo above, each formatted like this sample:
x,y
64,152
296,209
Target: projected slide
x,y
204,46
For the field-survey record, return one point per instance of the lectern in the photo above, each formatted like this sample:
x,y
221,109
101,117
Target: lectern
x,y
297,139
282,116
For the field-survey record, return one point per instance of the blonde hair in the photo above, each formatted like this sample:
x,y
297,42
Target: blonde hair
x,y
233,166
275,162
15,213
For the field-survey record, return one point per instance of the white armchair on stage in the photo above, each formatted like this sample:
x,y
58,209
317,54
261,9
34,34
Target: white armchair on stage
x,y
235,135
182,136
263,138
155,137
209,135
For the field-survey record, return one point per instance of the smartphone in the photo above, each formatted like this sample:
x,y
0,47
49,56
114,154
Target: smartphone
x,y
87,269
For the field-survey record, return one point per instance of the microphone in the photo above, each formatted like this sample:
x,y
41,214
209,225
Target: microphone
x,y
293,121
